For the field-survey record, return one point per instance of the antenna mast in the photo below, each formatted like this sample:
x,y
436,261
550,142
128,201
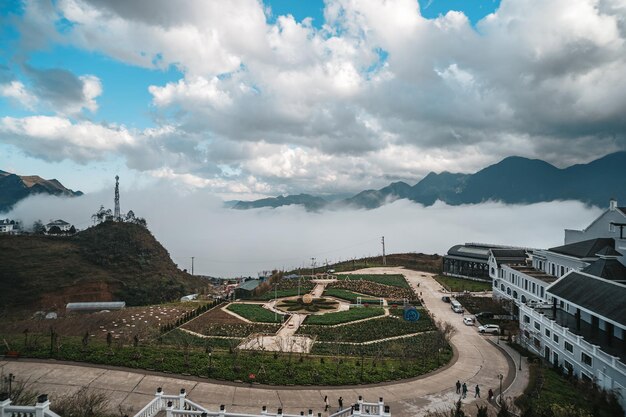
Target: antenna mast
x,y
384,258
116,215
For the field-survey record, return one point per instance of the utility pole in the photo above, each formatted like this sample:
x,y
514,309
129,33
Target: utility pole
x,y
192,258
312,266
384,258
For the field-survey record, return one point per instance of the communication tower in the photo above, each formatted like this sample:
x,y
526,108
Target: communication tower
x,y
117,199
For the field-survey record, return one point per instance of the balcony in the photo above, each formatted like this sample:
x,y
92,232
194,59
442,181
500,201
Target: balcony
x,y
591,334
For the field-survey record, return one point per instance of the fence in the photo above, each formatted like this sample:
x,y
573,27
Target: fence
x,y
41,409
180,406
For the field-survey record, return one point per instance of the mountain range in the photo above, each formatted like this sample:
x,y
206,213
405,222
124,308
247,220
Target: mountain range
x,y
14,188
514,180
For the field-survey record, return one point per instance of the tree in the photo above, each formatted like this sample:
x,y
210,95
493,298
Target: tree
x,y
38,227
72,230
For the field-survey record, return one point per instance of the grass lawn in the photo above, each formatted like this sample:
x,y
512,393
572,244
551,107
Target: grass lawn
x,y
454,284
394,280
290,292
350,296
344,316
254,312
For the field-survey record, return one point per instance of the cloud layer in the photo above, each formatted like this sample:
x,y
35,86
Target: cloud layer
x,y
228,242
378,93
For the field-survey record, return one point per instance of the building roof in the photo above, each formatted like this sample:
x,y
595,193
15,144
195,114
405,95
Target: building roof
x,y
585,248
602,297
534,273
57,222
509,255
608,252
98,305
610,269
470,251
623,210
249,285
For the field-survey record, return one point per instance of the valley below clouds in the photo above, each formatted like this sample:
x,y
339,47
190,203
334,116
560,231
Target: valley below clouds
x,y
227,242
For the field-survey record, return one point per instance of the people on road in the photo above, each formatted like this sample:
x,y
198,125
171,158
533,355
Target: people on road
x,y
477,390
340,403
458,386
326,405
490,393
464,390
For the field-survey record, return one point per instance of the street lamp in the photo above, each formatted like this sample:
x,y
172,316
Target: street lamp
x,y
209,351
9,379
500,376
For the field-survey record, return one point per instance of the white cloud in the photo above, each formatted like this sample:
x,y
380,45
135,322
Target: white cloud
x,y
378,93
16,91
56,138
230,242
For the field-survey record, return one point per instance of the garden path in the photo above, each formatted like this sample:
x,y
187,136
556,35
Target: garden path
x,y
477,362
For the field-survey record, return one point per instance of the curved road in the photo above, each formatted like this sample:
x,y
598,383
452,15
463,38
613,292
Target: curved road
x,y
479,362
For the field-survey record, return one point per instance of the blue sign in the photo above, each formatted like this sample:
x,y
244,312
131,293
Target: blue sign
x,y
411,313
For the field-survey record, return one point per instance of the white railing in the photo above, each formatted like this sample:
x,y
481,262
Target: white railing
x,y
41,409
180,406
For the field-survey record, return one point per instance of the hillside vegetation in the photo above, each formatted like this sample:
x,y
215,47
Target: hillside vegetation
x,y
111,261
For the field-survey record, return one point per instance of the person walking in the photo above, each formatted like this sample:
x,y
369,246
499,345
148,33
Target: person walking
x,y
326,405
340,403
477,391
458,386
464,390
490,393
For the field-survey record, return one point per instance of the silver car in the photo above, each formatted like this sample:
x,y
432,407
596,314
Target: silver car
x,y
489,328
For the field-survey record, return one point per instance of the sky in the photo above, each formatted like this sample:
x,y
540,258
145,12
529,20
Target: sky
x,y
242,99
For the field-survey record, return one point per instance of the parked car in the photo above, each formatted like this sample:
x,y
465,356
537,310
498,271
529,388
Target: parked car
x,y
489,328
445,299
468,321
485,315
456,306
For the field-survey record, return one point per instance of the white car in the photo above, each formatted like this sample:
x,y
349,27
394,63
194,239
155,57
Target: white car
x,y
468,321
489,328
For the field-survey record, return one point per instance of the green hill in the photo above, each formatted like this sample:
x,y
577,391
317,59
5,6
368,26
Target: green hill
x,y
111,261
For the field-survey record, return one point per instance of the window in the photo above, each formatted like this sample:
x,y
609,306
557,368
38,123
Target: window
x,y
569,367
537,326
533,288
526,319
537,343
585,377
562,270
555,337
568,346
548,332
586,359
541,292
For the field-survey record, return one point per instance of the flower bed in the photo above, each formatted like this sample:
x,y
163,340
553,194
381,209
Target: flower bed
x,y
410,346
344,316
350,296
393,280
255,312
369,330
374,288
186,356
231,330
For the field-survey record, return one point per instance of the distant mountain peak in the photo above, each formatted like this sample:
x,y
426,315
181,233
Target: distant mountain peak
x,y
14,188
513,180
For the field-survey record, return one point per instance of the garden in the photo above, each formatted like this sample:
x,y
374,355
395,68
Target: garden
x,y
366,344
393,280
454,284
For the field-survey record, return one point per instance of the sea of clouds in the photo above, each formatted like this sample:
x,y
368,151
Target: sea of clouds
x,y
227,242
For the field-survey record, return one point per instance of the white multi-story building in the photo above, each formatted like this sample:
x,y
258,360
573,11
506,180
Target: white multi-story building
x,y
61,224
9,227
584,331
570,300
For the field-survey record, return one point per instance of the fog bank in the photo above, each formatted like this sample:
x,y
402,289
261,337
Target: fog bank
x,y
228,242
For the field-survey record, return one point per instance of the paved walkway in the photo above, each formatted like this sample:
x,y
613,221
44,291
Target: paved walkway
x,y
479,362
